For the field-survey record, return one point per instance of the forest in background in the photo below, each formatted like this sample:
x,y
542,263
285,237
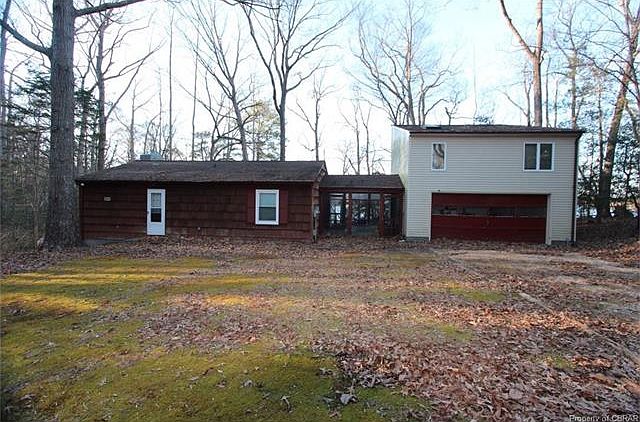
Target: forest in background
x,y
576,68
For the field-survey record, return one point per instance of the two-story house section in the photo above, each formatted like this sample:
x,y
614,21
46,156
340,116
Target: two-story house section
x,y
487,182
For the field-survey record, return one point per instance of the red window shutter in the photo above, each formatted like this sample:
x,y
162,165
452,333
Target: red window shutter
x,y
251,206
284,207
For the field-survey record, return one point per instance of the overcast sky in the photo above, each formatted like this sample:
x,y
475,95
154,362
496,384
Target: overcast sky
x,y
470,33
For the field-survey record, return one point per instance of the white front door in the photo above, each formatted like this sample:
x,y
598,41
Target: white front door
x,y
155,211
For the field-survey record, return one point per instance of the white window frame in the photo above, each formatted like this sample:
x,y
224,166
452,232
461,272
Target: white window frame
x,y
445,156
537,144
268,222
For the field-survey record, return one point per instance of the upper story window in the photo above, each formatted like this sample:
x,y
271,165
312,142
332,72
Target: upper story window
x,y
438,156
267,202
538,156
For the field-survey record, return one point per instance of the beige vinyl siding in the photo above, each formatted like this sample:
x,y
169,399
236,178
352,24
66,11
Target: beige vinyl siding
x,y
489,164
400,164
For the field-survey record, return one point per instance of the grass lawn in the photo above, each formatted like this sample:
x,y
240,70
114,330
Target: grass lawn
x,y
341,330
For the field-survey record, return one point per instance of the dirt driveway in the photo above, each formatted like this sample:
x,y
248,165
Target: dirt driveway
x,y
369,330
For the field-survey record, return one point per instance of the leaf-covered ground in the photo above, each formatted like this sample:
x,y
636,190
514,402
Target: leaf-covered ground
x,y
345,329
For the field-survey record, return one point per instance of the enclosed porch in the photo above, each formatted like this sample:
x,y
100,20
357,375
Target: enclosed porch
x,y
361,205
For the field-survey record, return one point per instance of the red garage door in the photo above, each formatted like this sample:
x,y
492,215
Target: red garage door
x,y
516,218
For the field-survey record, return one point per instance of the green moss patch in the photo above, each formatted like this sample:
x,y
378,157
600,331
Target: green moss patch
x,y
475,294
87,285
245,385
72,349
558,361
390,261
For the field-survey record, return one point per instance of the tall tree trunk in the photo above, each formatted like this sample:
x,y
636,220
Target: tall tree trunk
x,y
241,129
195,96
62,217
604,185
546,94
535,57
537,69
573,75
316,123
132,128
283,136
82,141
158,148
35,199
357,150
102,98
3,99
170,139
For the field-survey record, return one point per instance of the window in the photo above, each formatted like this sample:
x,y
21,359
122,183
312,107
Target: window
x,y
538,156
501,212
337,210
438,156
445,210
155,208
532,212
267,206
475,211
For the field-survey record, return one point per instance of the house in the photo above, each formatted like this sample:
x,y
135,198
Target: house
x,y
489,182
499,182
257,199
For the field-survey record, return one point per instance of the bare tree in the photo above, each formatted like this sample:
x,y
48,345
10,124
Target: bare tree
x,y
362,152
527,83
621,47
170,137
453,102
572,44
318,93
131,124
223,61
399,68
535,56
286,36
100,52
62,214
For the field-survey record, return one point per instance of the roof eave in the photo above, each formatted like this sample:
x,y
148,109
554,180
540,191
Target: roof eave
x,y
81,180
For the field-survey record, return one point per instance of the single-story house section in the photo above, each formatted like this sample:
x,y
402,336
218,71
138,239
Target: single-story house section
x,y
214,198
257,199
487,182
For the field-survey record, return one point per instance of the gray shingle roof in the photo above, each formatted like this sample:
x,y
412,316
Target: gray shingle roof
x,y
374,181
210,171
487,129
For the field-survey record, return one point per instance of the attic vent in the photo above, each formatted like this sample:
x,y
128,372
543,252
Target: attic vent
x,y
431,126
151,156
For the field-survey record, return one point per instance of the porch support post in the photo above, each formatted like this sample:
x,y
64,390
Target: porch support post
x,y
400,222
381,215
349,213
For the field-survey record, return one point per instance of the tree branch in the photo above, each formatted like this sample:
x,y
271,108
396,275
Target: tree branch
x,y
34,46
515,30
104,7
